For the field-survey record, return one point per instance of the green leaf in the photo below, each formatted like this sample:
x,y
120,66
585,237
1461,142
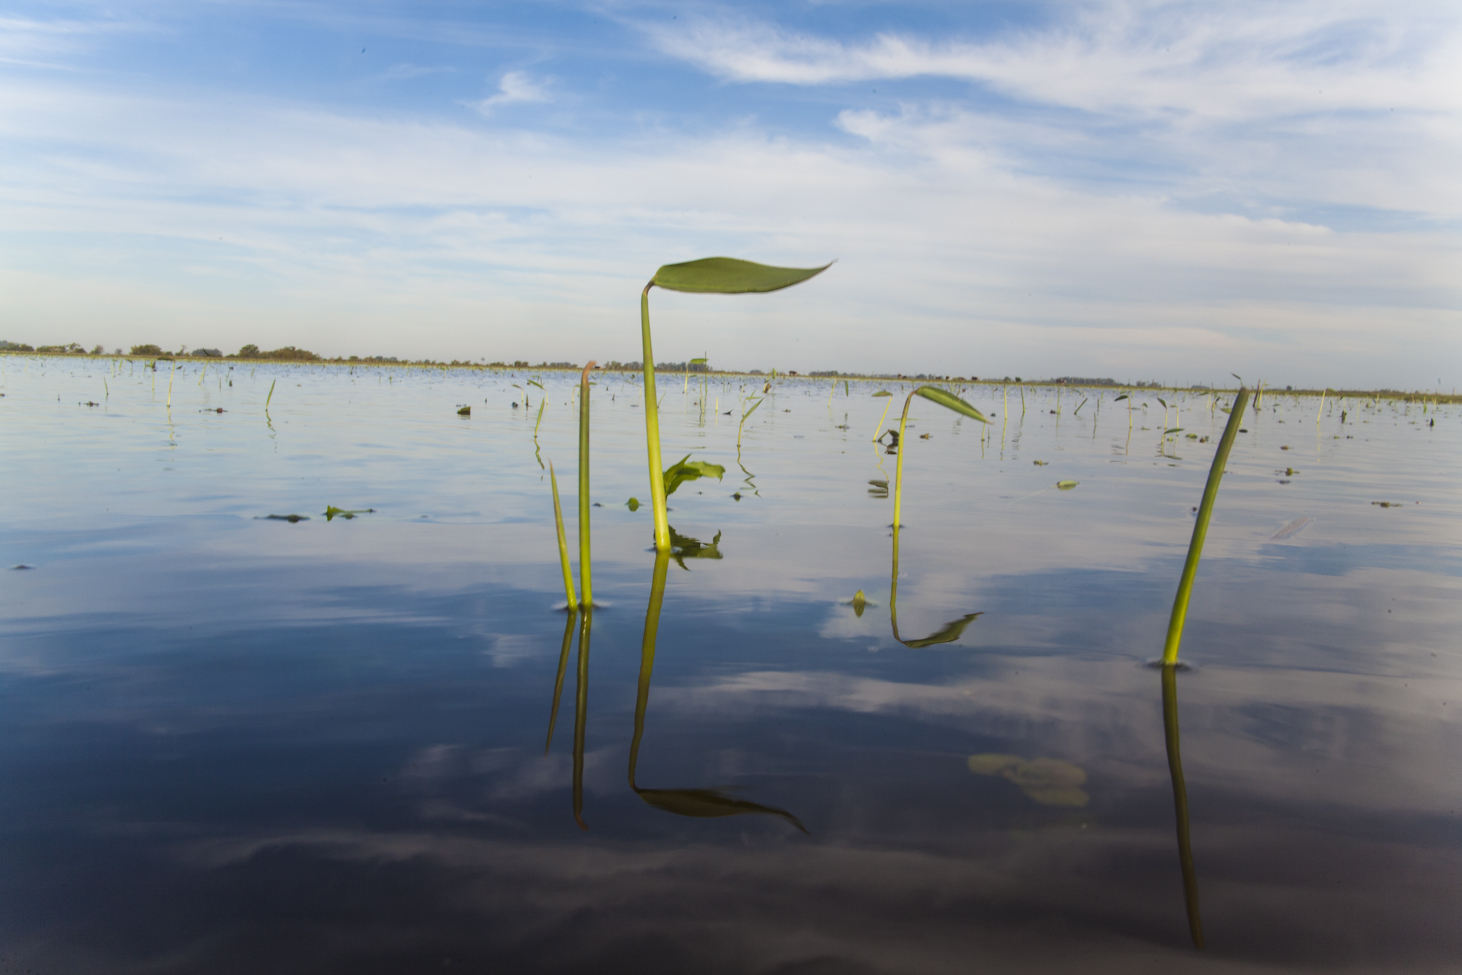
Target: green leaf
x,y
750,411
950,401
686,469
882,392
696,361
465,411
332,512
683,547
633,504
1120,398
533,382
1172,430
709,804
1066,485
727,275
948,634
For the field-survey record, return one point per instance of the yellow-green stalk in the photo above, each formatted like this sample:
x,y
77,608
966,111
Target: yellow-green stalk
x,y
652,429
943,398
1200,529
586,582
563,544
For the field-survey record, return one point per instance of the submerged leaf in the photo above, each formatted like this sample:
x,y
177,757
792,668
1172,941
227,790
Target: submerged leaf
x,y
1048,781
950,401
947,634
728,275
709,804
686,469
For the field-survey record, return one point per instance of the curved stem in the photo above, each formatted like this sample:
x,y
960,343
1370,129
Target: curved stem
x,y
1200,530
652,429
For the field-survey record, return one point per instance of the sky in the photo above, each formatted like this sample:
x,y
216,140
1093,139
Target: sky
x,y
1139,190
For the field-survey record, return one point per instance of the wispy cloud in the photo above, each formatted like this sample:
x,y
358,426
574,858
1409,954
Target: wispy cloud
x,y
403,72
515,87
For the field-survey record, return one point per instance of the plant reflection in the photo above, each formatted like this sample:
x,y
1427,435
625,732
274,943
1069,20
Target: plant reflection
x,y
563,663
701,803
1180,800
581,714
684,547
949,633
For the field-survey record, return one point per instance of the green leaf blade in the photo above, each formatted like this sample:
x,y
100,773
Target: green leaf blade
x,y
728,275
950,401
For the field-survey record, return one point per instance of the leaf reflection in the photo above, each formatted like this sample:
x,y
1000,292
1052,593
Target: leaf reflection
x,y
697,803
948,633
683,547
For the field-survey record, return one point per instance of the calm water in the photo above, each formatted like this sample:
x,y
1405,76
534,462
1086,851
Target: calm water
x,y
234,744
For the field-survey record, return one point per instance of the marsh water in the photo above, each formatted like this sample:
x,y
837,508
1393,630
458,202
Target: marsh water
x,y
236,743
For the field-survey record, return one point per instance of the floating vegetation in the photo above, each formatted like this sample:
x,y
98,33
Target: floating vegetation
x,y
1048,781
332,512
859,602
291,518
1066,485
464,411
633,504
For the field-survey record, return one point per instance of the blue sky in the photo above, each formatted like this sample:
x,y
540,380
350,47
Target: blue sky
x,y
1165,190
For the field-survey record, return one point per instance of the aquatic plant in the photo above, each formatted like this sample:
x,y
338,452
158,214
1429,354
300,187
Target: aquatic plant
x,y
1200,529
711,275
586,582
563,544
945,399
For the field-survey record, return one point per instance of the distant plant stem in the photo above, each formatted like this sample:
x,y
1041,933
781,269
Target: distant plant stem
x,y
586,581
563,544
652,429
172,367
1200,529
270,396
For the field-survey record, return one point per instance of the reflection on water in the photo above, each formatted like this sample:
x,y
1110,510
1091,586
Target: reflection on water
x,y
232,743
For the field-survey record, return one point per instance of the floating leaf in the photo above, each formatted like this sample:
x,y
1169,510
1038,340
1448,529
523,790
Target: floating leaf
x,y
332,512
860,602
633,504
709,804
1066,485
1041,463
689,470
697,362
950,401
467,410
289,518
882,392
948,634
1172,430
1048,781
727,275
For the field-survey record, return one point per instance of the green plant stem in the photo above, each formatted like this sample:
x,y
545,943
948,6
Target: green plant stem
x,y
563,544
898,477
652,430
1180,802
270,396
1200,529
586,579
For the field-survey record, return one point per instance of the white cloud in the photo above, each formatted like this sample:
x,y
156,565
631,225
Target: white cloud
x,y
514,88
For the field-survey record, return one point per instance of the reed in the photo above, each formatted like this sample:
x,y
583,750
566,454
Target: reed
x,y
586,580
1200,529
563,544
711,275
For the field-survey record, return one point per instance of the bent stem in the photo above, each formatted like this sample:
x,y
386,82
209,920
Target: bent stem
x,y
1200,530
652,430
1180,801
586,581
563,544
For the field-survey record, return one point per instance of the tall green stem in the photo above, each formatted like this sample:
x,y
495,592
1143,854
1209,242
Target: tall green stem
x,y
898,477
1180,802
1200,530
586,575
652,430
563,544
